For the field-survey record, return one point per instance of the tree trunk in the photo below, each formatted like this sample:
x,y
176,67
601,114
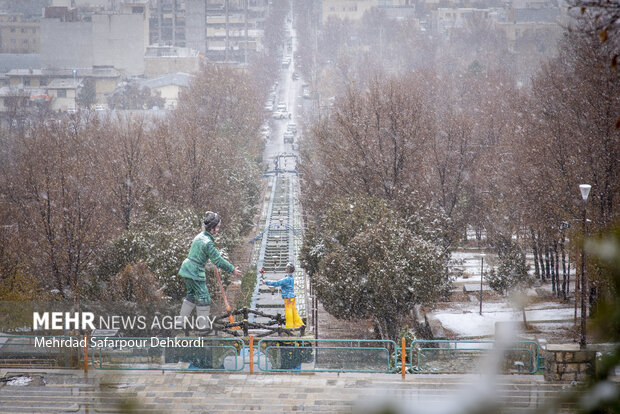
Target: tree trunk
x,y
557,267
541,259
564,275
547,265
554,285
535,250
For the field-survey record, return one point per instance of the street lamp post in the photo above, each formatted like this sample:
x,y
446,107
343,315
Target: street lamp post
x,y
585,191
481,273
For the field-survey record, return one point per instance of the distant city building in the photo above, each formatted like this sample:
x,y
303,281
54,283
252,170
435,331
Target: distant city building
x,y
167,22
160,60
347,9
445,19
113,38
63,93
225,30
169,86
531,4
18,34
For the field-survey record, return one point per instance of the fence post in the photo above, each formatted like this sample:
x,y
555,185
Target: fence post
x,y
86,354
403,344
251,354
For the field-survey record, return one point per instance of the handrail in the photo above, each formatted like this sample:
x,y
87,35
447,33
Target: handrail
x,y
235,349
299,348
534,354
281,354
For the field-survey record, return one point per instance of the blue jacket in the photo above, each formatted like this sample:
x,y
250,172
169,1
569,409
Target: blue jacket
x,y
288,286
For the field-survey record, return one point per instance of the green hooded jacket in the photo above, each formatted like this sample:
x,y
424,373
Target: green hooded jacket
x,y
203,249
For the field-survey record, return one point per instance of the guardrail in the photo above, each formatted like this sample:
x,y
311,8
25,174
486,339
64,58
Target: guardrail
x,y
446,356
281,354
39,351
168,353
326,355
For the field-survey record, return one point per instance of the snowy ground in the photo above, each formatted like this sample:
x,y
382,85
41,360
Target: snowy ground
x,y
548,319
464,319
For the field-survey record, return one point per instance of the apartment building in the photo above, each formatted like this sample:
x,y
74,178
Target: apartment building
x,y
19,34
160,60
225,30
116,38
347,9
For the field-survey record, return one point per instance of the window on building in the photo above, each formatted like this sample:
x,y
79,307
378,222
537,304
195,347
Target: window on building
x,y
62,93
34,30
13,41
12,30
137,9
26,82
23,30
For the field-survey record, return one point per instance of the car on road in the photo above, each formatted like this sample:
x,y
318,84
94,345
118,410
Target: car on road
x,y
295,76
268,107
281,107
280,115
306,93
288,137
291,127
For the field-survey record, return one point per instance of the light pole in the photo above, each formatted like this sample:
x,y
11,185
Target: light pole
x,y
481,273
585,191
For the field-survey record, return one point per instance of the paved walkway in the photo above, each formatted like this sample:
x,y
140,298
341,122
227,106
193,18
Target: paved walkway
x,y
182,392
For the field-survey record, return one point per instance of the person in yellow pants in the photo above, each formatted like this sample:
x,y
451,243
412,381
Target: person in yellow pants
x,y
287,284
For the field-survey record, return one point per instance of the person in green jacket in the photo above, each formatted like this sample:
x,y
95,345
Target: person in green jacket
x,y
193,270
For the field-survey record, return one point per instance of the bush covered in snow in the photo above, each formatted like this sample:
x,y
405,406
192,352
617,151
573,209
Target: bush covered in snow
x,y
365,263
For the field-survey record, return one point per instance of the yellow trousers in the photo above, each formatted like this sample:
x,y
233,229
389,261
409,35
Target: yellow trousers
x,y
290,313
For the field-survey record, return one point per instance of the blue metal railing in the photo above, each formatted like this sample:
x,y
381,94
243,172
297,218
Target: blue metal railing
x,y
168,354
39,351
280,354
451,356
326,355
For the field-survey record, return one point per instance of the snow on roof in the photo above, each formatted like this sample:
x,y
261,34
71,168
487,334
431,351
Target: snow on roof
x,y
177,79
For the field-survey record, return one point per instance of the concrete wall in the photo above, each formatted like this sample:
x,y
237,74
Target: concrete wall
x,y
64,103
156,66
66,44
195,25
120,41
104,86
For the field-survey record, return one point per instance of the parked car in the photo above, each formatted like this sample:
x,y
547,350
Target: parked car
x,y
306,93
288,137
295,76
281,107
280,115
291,127
268,107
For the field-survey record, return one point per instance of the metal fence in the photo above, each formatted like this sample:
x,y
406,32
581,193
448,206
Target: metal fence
x,y
30,351
168,353
326,355
282,354
445,356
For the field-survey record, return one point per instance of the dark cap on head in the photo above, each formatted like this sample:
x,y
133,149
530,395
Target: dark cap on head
x,y
211,220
